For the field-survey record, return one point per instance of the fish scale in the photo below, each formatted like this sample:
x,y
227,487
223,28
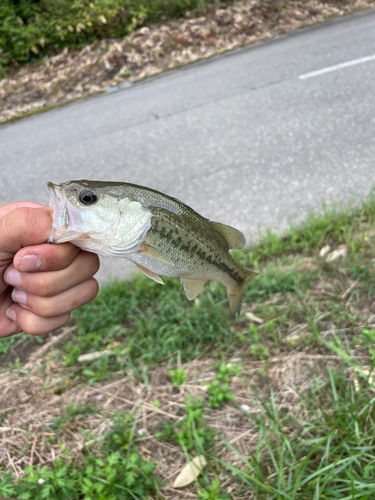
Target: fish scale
x,y
160,234
194,254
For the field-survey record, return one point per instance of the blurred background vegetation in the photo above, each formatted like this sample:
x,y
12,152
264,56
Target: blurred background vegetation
x,y
34,28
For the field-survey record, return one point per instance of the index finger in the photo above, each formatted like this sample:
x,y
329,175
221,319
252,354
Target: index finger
x,y
45,257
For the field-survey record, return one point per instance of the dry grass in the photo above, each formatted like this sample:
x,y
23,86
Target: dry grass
x,y
31,402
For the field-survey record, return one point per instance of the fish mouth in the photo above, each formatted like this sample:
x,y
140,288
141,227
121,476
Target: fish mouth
x,y
55,195
65,216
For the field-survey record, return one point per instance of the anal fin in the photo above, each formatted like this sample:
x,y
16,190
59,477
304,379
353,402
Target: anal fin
x,y
150,274
192,287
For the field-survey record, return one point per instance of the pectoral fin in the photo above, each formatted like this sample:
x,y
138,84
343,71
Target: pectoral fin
x,y
155,254
192,287
150,274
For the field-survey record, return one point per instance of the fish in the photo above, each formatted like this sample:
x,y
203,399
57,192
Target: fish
x,y
160,234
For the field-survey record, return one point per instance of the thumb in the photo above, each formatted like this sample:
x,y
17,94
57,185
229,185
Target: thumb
x,y
23,227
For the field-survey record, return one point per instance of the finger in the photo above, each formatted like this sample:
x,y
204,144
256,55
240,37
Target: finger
x,y
7,326
33,324
45,257
49,307
5,209
23,227
48,284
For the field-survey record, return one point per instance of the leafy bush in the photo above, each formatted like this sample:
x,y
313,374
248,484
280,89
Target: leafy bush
x,y
30,28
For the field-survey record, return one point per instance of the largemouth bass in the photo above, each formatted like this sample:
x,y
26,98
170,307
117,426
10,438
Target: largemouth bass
x,y
160,234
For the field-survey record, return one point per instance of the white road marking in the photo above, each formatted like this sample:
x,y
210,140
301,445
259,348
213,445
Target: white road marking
x,y
335,67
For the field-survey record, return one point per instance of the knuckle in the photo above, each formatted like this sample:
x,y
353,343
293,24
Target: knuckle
x,y
87,292
33,226
92,261
24,216
44,308
21,218
36,325
43,286
59,257
61,321
94,288
97,264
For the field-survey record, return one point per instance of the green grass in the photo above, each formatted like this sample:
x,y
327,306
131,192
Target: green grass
x,y
117,471
324,449
152,323
329,455
142,313
310,436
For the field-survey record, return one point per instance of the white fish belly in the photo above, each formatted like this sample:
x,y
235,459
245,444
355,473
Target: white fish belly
x,y
171,271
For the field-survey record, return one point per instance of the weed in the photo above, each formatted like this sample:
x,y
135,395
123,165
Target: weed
x,y
117,471
99,370
218,394
259,351
218,390
126,73
178,377
117,476
257,348
121,434
225,372
213,492
73,411
192,433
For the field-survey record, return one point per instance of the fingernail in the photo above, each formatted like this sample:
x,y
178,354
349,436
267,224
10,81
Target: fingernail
x,y
13,277
30,263
11,313
19,296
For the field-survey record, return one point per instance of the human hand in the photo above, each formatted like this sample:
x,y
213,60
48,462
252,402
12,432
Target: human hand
x,y
40,284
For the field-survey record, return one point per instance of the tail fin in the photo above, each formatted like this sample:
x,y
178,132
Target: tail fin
x,y
235,295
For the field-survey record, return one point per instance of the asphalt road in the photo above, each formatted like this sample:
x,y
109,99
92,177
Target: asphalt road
x,y
251,138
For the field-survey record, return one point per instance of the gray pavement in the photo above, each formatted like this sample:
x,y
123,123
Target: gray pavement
x,y
241,137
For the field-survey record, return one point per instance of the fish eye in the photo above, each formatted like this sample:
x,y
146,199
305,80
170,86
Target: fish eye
x,y
88,197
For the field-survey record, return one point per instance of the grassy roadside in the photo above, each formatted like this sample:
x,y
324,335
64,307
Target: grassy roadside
x,y
115,63
279,402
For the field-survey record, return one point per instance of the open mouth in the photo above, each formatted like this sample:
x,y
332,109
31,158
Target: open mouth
x,y
58,203
65,217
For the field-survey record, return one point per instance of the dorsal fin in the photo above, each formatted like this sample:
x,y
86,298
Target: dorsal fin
x,y
233,236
